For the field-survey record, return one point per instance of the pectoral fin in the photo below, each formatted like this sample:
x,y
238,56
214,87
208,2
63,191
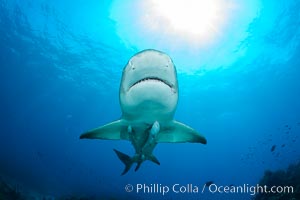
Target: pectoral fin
x,y
116,130
177,132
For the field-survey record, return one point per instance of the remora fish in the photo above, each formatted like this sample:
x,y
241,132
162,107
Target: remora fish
x,y
148,99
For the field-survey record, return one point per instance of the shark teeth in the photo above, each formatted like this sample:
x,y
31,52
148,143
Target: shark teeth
x,y
151,79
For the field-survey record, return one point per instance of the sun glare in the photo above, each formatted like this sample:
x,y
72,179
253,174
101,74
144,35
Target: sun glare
x,y
189,15
197,33
193,19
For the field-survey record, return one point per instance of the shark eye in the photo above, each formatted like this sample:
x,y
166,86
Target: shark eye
x,y
131,65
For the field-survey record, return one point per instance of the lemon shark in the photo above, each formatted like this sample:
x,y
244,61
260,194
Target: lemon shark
x,y
148,98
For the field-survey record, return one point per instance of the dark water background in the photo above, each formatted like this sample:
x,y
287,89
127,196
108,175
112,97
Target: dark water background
x,y
60,67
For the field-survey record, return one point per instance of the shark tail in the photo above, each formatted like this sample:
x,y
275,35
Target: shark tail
x,y
151,158
137,166
154,159
126,160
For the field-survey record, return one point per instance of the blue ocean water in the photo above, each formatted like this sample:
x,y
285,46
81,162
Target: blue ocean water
x,y
61,64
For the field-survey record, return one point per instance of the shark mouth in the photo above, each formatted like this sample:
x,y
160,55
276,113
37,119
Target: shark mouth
x,y
152,79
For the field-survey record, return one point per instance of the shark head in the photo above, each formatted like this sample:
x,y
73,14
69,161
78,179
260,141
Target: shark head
x,y
149,84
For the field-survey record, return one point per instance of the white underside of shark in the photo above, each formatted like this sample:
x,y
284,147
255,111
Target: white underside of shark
x,y
148,99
